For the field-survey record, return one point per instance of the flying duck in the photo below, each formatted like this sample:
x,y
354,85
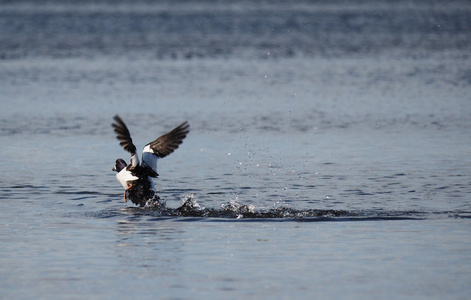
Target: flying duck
x,y
136,178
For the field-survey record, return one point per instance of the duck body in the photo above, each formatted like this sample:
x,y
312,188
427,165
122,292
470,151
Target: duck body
x,y
138,186
141,191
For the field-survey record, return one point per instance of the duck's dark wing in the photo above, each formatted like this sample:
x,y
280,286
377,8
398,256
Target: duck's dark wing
x,y
123,135
170,141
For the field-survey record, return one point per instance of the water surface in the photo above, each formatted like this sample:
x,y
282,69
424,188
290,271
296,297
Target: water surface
x,y
328,155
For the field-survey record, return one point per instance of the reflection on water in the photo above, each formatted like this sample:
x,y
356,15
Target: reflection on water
x,y
139,244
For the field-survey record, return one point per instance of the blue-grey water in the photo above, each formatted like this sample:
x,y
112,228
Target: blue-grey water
x,y
329,155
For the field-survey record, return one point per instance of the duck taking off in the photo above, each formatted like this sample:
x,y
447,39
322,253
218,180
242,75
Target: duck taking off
x,y
136,178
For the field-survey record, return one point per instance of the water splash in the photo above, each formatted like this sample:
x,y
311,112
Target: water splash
x,y
233,210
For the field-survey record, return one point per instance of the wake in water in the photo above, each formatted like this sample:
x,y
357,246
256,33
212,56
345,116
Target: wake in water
x,y
234,211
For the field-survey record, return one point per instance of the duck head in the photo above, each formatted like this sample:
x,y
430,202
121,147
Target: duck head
x,y
119,165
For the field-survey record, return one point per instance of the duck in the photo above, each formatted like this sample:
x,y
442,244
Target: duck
x,y
137,177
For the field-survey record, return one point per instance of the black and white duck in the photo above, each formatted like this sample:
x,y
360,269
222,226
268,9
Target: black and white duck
x,y
137,177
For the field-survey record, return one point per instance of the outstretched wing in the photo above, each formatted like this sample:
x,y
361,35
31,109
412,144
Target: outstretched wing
x,y
125,140
170,141
163,146
123,135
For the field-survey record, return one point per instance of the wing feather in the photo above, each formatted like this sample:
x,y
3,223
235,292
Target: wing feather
x,y
170,141
123,135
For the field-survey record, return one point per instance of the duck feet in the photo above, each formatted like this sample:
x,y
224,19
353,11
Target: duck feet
x,y
125,191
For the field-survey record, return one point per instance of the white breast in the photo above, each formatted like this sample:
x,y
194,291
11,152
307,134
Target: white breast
x,y
125,178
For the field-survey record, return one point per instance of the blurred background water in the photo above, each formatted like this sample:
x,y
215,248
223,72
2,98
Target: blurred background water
x,y
329,152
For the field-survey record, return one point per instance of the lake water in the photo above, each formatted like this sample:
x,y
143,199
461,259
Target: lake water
x,y
328,157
